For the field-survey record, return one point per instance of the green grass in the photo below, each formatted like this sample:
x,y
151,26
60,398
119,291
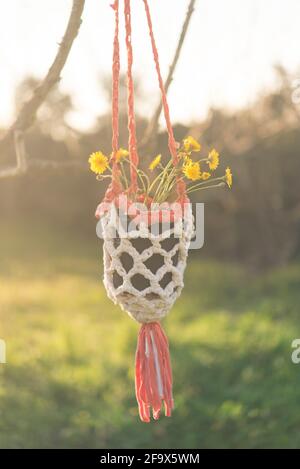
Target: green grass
x,y
69,382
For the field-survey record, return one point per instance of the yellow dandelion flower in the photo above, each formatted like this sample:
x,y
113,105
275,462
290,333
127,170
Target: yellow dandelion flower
x,y
155,162
192,171
191,144
121,153
213,159
228,177
98,162
205,176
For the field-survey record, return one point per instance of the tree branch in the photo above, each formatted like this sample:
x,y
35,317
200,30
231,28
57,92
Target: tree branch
x,y
21,167
29,109
151,130
28,112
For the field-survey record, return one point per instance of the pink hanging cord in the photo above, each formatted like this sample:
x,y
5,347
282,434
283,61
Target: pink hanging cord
x,y
115,187
172,143
115,82
132,142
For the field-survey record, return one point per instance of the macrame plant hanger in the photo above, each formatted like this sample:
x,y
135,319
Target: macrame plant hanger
x,y
153,374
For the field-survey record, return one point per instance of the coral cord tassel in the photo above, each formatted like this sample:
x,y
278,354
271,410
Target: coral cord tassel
x,y
153,374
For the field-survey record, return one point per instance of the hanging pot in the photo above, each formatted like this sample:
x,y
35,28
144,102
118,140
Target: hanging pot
x,y
144,265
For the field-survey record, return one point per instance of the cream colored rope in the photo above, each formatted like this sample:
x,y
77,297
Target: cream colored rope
x,y
163,286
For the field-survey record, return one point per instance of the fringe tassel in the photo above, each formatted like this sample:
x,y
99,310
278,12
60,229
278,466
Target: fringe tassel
x,y
153,373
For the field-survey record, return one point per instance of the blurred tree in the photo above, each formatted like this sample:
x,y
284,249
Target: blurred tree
x,y
27,113
52,115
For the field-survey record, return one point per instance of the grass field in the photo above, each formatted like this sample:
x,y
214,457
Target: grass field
x,y
69,382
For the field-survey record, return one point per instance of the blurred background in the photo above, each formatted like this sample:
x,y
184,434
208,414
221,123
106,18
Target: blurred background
x,y
69,377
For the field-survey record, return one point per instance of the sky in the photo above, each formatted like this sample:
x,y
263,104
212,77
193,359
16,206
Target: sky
x,y
227,59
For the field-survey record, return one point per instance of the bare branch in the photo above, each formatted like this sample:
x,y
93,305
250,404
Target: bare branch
x,y
21,167
153,124
20,150
29,109
28,112
24,163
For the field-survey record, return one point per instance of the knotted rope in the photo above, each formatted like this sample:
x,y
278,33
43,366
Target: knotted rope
x,y
171,140
115,187
115,100
132,142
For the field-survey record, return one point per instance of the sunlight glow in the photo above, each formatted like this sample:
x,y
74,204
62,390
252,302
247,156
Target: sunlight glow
x,y
227,59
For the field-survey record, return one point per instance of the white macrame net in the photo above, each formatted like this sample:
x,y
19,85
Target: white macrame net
x,y
143,271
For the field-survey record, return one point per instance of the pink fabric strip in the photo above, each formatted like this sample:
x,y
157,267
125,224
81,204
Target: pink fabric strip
x,y
153,372
132,143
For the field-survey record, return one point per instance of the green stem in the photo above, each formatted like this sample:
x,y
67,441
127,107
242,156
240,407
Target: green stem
x,y
167,181
199,184
123,173
220,184
139,172
161,175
